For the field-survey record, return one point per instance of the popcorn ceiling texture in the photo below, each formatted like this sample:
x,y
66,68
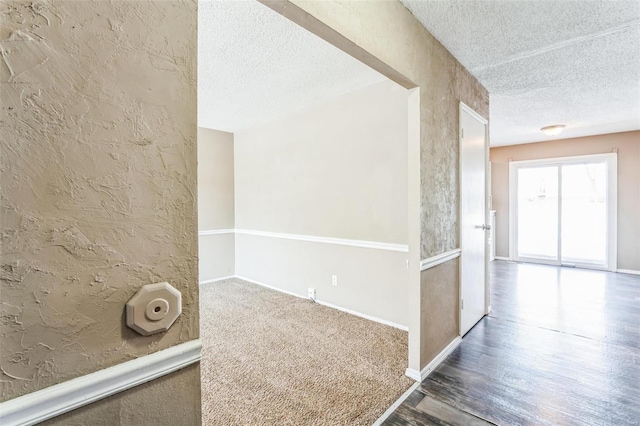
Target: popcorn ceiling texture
x,y
271,66
98,172
546,62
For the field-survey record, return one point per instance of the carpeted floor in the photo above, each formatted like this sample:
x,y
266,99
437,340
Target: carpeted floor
x,y
274,359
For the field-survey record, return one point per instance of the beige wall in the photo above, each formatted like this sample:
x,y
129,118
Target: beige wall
x,y
370,281
628,146
215,180
98,185
215,203
439,321
334,170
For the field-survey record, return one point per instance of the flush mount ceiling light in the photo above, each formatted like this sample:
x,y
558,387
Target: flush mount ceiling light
x,y
554,130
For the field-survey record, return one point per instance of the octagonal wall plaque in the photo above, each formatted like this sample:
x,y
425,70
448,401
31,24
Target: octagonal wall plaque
x,y
154,308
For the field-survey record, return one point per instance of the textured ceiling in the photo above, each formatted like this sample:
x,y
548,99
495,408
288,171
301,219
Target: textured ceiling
x,y
255,65
546,62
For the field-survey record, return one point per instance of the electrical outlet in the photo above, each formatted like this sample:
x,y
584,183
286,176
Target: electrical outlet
x,y
311,292
334,280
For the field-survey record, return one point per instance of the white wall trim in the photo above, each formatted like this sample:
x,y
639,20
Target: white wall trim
x,y
628,271
50,402
215,280
328,240
502,258
419,376
365,316
441,258
313,239
216,232
290,293
329,305
396,404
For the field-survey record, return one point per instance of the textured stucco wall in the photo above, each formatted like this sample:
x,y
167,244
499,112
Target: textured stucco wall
x,y
387,37
98,172
440,322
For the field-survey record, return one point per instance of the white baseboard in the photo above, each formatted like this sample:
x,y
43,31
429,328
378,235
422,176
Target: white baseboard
x,y
365,316
419,376
628,271
396,404
290,293
215,280
329,305
502,258
58,399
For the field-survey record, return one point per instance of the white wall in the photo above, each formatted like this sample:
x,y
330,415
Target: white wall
x,y
335,170
215,204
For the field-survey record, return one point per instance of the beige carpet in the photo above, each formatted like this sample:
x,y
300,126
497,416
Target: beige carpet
x,y
274,359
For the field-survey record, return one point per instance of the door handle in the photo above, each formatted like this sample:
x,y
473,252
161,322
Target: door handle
x,y
484,227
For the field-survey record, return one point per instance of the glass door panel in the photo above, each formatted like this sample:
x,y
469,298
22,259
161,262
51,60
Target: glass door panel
x,y
538,211
584,213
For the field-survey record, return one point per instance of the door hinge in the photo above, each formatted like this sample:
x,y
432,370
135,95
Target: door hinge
x,y
462,304
462,131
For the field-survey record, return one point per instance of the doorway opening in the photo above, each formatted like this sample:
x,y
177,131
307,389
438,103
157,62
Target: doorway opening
x,y
303,190
563,211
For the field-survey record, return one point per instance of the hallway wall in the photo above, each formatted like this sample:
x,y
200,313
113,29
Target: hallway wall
x,y
628,146
98,191
216,211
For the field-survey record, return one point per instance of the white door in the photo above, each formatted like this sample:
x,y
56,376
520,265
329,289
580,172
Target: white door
x,y
473,214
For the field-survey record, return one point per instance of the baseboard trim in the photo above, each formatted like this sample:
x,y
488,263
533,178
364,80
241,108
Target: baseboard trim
x,y
419,376
329,305
441,258
502,258
216,232
290,293
628,271
58,399
365,316
215,280
328,240
396,404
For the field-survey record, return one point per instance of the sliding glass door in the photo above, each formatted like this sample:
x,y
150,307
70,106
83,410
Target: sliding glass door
x,y
562,211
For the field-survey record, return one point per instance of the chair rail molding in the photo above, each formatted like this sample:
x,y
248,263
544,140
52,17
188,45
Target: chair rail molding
x,y
441,258
377,245
58,399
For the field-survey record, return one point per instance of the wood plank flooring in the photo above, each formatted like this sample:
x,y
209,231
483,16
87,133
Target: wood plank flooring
x,y
561,347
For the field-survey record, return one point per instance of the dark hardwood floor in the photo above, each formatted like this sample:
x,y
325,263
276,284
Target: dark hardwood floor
x,y
560,347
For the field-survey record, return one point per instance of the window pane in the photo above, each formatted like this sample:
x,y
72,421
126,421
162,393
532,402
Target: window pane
x,y
538,212
584,213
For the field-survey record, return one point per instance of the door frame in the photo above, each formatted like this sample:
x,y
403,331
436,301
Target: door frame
x,y
611,158
487,219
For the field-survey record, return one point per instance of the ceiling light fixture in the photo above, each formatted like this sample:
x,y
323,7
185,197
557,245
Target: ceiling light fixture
x,y
554,130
